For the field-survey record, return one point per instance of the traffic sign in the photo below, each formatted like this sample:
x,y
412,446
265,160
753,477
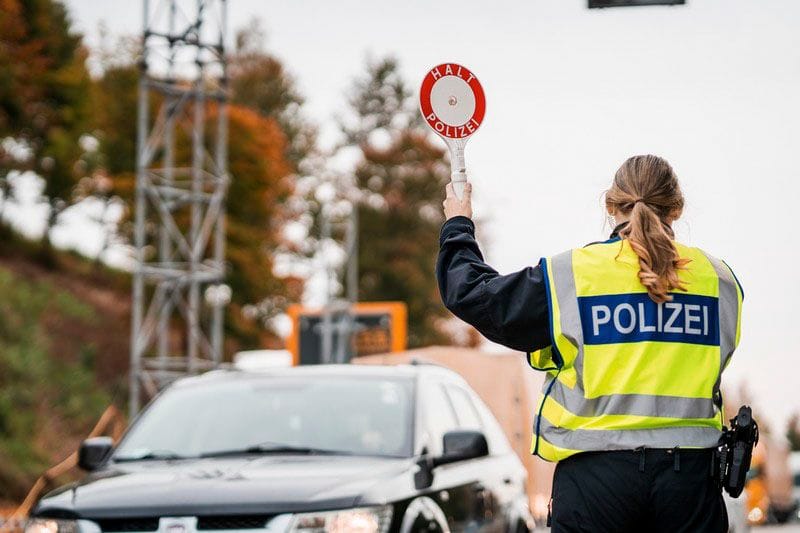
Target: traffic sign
x,y
362,329
452,101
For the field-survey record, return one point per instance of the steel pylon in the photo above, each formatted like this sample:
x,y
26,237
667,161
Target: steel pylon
x,y
181,184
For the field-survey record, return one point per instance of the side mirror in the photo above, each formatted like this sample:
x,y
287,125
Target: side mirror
x,y
94,452
461,446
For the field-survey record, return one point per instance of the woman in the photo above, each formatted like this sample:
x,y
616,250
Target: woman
x,y
633,334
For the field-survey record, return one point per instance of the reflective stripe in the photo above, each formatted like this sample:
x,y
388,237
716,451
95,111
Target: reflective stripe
x,y
728,314
631,404
728,310
564,281
629,439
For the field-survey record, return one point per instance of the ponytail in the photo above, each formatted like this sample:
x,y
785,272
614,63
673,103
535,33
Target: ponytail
x,y
646,189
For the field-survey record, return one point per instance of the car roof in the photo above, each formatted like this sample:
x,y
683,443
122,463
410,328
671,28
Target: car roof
x,y
411,371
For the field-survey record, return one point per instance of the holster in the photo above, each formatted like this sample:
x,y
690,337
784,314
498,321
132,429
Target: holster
x,y
734,452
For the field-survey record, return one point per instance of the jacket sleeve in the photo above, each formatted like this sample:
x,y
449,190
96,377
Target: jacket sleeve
x,y
510,310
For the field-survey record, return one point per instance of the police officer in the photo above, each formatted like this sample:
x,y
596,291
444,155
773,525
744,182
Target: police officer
x,y
633,334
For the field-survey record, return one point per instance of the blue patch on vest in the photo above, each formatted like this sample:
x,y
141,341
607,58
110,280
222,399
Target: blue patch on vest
x,y
621,318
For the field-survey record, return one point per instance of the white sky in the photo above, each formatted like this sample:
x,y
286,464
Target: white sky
x,y
713,86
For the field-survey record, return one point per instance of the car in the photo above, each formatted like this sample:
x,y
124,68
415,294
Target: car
x,y
323,448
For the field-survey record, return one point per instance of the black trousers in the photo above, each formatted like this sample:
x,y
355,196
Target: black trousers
x,y
650,490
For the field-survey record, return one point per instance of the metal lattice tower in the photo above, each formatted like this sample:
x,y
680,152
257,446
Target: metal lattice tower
x,y
181,184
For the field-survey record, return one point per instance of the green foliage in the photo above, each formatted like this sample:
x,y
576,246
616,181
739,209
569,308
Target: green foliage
x,y
380,99
401,180
115,93
42,392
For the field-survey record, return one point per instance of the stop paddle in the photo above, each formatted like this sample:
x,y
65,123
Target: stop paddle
x,y
452,101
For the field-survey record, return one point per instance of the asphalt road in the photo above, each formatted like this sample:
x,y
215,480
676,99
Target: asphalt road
x,y
786,528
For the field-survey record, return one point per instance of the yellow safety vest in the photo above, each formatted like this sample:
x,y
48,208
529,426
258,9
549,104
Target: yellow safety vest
x,y
624,372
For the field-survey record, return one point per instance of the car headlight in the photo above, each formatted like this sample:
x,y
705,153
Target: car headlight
x,y
51,525
356,520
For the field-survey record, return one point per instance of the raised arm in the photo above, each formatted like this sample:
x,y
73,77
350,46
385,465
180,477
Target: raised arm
x,y
510,310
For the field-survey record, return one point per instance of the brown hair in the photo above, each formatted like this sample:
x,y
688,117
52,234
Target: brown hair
x,y
646,189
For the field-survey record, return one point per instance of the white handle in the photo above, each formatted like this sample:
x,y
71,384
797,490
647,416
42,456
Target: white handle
x,y
458,166
459,181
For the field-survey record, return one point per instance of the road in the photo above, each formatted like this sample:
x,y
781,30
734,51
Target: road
x,y
786,528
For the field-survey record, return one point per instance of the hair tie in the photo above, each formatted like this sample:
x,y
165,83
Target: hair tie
x,y
637,200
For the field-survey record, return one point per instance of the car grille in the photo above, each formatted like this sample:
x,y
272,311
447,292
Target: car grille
x,y
204,523
217,523
123,525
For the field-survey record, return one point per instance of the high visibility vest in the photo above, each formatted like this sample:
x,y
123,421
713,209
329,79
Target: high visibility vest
x,y
624,372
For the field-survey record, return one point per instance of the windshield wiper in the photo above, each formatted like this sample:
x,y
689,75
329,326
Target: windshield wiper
x,y
273,448
157,455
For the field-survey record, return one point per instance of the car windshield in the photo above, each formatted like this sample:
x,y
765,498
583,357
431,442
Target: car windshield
x,y
312,414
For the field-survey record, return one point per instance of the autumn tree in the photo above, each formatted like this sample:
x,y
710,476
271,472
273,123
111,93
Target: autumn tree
x,y
400,179
268,142
15,87
44,90
110,170
260,188
260,81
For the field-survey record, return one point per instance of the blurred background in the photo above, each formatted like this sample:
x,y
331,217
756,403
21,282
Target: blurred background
x,y
297,212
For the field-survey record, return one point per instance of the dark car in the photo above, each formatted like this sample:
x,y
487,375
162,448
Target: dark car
x,y
336,449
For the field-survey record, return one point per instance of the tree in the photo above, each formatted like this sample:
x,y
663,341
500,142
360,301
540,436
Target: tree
x,y
261,162
400,180
259,81
260,188
43,95
793,432
115,94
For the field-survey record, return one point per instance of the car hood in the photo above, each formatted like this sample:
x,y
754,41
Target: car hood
x,y
275,484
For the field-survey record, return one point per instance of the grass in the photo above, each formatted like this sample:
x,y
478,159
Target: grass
x,y
47,399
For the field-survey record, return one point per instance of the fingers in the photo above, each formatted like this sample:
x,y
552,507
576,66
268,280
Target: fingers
x,y
467,193
451,192
455,206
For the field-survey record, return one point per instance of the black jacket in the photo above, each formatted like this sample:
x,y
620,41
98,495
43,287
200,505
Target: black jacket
x,y
510,310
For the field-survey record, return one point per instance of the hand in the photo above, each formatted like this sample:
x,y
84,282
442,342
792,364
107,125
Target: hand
x,y
453,207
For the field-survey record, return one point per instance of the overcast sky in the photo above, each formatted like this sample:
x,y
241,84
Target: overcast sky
x,y
713,86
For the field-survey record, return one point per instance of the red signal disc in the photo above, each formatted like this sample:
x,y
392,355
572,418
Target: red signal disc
x,y
452,100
